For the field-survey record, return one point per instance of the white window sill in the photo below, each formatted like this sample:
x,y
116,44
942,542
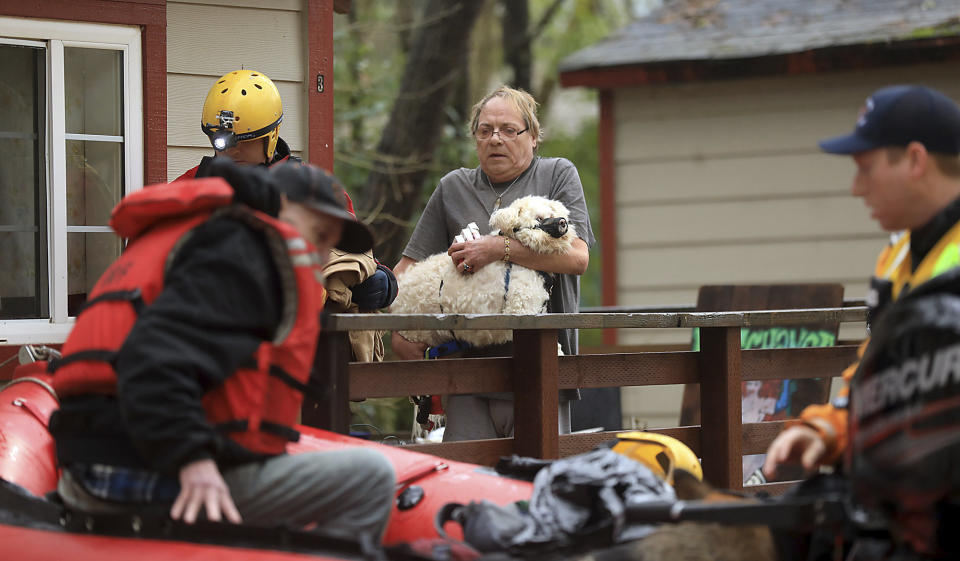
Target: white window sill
x,y
33,331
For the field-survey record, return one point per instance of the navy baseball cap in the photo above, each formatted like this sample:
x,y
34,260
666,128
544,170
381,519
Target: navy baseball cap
x,y
316,189
899,115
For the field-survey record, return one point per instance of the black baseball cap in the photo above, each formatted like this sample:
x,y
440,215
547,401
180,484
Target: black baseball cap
x,y
317,189
899,115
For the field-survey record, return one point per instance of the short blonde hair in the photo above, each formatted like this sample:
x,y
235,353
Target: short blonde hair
x,y
524,102
947,164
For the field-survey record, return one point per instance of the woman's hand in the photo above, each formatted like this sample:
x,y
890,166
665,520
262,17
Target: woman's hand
x,y
405,348
471,255
798,443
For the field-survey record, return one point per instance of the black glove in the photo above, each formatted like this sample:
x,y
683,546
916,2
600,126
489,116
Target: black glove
x,y
378,291
251,184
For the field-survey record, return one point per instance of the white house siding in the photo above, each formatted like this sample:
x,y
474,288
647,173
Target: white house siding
x,y
723,183
264,36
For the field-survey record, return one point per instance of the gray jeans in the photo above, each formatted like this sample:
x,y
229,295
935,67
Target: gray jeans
x,y
480,416
344,492
490,415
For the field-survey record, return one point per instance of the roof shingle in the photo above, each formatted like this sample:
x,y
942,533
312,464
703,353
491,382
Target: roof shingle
x,y
694,30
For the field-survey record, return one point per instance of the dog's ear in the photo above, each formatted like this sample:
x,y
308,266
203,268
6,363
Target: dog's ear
x,y
558,209
505,220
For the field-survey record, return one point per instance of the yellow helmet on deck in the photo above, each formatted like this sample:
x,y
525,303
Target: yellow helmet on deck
x,y
242,105
659,452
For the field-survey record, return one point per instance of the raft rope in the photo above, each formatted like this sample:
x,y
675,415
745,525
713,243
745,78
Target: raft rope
x,y
37,381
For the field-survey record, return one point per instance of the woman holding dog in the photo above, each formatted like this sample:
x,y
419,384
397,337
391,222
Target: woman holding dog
x,y
507,132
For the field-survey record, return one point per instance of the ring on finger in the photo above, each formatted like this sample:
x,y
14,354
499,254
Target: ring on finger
x,y
466,267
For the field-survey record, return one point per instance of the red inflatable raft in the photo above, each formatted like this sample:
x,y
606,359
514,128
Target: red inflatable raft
x,y
27,462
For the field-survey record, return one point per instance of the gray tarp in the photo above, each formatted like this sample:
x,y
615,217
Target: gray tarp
x,y
577,497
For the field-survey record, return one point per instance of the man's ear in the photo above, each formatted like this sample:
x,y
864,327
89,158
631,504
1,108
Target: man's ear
x,y
918,159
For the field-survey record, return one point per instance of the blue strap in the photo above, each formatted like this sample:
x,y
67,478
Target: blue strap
x,y
506,285
444,349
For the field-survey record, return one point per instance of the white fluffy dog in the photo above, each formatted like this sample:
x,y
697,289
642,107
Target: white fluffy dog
x,y
434,286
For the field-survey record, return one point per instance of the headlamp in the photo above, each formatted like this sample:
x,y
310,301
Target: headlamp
x,y
221,135
222,140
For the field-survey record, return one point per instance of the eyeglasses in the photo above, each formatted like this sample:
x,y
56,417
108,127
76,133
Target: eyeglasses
x,y
506,133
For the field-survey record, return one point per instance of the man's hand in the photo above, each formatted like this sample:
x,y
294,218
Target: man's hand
x,y
797,443
405,348
476,253
201,485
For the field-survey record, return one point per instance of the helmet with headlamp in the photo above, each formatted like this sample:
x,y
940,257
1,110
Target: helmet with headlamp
x,y
242,105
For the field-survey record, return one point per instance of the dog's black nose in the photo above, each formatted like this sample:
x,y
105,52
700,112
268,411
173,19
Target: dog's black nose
x,y
556,227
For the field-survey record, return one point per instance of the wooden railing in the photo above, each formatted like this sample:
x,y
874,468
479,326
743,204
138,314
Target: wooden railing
x,y
536,374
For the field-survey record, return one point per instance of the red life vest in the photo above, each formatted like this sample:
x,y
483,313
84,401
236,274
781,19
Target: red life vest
x,y
257,405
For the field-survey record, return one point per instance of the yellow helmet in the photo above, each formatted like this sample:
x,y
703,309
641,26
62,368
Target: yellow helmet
x,y
242,105
659,452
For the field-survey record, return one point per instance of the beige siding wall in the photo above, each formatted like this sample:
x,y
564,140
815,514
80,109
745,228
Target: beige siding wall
x,y
265,36
722,182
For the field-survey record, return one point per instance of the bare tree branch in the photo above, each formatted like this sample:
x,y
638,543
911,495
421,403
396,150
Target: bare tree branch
x,y
406,148
542,23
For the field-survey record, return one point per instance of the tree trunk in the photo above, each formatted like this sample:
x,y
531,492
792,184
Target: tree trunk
x,y
516,46
353,69
404,17
438,56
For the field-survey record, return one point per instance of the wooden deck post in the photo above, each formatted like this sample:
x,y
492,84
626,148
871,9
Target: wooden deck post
x,y
536,393
720,407
330,375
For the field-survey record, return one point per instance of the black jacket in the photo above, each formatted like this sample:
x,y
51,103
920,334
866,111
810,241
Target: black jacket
x,y
280,154
221,299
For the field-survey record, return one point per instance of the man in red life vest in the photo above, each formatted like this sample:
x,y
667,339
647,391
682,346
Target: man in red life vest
x,y
180,381
241,117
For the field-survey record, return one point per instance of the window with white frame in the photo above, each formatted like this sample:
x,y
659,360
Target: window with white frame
x,y
71,145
